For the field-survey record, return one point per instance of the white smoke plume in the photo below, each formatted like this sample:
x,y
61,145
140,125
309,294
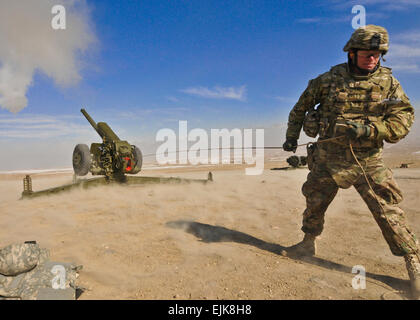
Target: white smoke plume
x,y
29,44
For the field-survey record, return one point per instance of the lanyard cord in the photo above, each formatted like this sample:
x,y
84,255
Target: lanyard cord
x,y
246,148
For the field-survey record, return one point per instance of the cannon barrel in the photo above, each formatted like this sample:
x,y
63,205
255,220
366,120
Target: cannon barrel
x,y
101,128
88,117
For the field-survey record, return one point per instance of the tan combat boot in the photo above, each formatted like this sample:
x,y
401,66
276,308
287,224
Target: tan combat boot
x,y
412,263
306,247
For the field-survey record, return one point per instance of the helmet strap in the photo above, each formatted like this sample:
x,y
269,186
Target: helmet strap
x,y
382,56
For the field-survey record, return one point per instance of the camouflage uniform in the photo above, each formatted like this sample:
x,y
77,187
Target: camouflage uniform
x,y
344,96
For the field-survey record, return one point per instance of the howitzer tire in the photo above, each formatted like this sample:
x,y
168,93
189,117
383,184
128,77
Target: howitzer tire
x,y
81,160
294,161
138,160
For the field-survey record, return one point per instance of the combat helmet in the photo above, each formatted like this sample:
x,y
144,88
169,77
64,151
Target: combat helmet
x,y
369,37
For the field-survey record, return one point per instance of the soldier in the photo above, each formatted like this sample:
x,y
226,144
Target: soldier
x,y
354,107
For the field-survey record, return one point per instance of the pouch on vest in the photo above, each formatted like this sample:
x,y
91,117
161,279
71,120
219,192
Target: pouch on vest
x,y
311,123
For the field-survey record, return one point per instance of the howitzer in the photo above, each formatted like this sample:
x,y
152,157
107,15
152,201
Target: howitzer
x,y
112,158
405,165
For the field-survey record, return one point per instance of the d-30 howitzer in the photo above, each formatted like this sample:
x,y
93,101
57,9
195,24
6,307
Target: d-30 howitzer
x,y
112,158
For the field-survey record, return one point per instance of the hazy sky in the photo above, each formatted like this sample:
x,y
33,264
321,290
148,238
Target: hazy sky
x,y
145,65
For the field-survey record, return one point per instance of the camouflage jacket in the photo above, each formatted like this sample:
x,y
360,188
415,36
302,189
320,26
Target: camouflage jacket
x,y
344,96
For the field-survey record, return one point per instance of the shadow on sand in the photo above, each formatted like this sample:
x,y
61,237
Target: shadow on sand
x,y
208,233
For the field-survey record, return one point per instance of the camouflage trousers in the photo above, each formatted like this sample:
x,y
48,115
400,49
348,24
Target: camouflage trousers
x,y
320,189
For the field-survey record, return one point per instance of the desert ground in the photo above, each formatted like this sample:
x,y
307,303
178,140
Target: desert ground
x,y
221,240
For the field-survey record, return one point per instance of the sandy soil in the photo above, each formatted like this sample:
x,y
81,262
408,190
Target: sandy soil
x,y
216,241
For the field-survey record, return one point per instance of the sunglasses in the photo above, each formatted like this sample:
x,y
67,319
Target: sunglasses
x,y
376,55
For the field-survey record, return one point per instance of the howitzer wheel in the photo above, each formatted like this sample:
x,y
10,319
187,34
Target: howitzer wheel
x,y
81,160
294,161
138,160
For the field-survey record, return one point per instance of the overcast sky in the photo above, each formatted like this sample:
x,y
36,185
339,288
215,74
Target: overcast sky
x,y
144,65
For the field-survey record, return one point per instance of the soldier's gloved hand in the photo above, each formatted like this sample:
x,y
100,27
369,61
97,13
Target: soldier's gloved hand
x,y
290,145
357,130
